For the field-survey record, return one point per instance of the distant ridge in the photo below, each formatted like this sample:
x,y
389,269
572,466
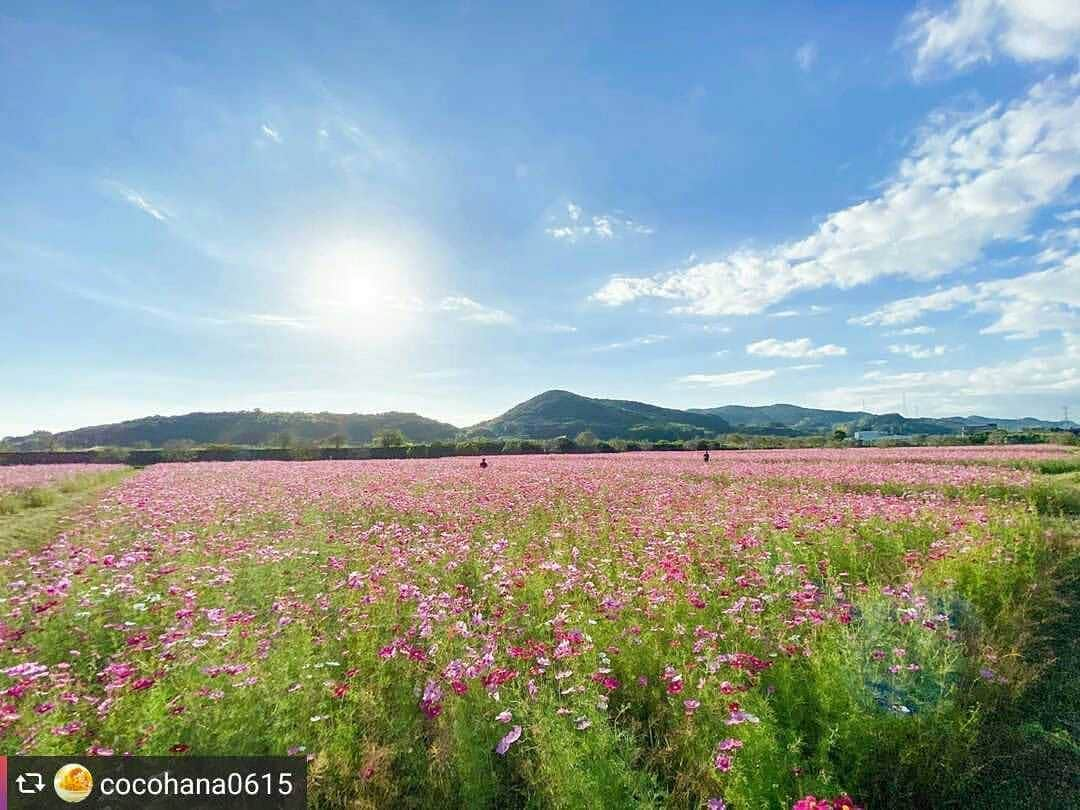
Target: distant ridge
x,y
563,413
545,416
244,427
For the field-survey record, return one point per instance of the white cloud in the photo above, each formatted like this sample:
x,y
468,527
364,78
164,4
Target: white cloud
x,y
815,309
745,377
806,55
972,390
974,31
469,310
601,226
967,183
140,201
280,321
800,347
916,352
1024,306
557,328
784,313
912,330
714,329
644,340
271,133
906,310
805,366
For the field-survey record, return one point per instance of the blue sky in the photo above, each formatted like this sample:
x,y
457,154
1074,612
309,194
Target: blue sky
x,y
448,208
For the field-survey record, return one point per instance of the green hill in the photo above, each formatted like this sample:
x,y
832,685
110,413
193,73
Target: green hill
x,y
550,414
240,427
817,420
562,413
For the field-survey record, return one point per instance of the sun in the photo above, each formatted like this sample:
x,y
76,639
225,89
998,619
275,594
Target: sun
x,y
364,287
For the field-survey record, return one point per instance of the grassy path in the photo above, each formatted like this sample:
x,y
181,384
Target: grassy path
x,y
36,516
1031,751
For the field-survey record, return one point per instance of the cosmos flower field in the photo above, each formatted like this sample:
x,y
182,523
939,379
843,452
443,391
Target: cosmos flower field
x,y
774,629
22,477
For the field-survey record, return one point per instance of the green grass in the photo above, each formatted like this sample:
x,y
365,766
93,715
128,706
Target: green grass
x,y
28,517
1028,752
1058,466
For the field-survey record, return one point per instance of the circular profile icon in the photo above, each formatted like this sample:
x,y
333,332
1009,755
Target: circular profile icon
x,y
73,782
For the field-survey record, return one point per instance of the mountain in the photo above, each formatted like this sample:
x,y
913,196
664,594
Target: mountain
x,y
562,413
1023,423
817,420
792,416
550,414
240,427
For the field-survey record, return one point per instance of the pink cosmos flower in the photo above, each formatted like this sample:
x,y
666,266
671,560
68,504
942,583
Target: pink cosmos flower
x,y
511,737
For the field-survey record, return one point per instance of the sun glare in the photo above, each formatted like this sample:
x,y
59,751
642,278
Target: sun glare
x,y
363,288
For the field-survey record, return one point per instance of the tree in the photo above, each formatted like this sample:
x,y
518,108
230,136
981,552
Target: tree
x,y
335,440
282,439
389,438
562,443
839,434
585,439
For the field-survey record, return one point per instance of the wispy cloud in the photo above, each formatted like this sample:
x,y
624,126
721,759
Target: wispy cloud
x,y
745,377
912,330
466,309
644,340
139,200
577,226
276,321
916,352
271,133
971,390
799,347
186,317
806,56
1024,306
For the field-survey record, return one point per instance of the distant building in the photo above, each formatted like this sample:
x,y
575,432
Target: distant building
x,y
871,435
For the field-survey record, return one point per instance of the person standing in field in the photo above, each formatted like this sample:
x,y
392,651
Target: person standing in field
x,y
483,464
706,456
